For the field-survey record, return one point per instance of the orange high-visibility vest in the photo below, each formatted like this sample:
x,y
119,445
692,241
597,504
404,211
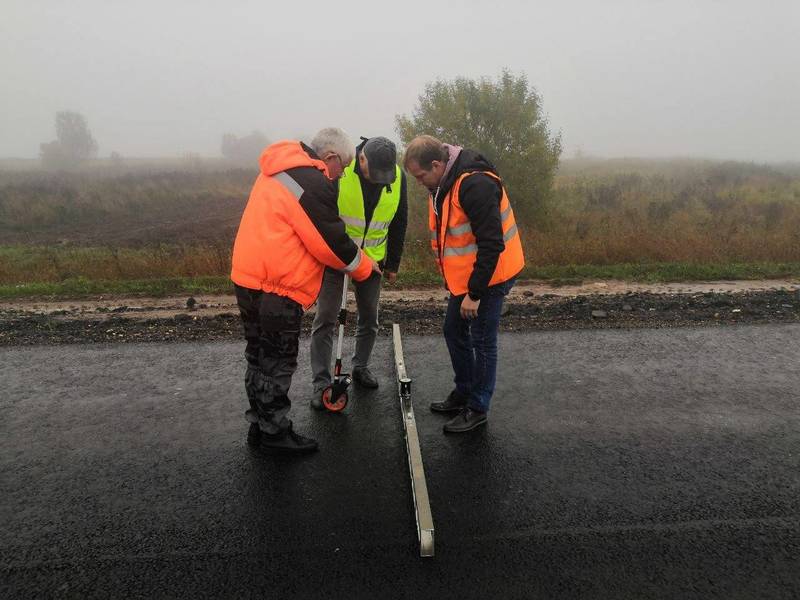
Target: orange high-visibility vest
x,y
456,248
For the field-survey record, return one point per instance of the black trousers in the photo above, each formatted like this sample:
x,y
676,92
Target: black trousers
x,y
272,331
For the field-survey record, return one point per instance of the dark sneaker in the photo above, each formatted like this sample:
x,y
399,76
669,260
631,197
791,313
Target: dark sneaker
x,y
254,435
287,441
364,377
466,420
454,403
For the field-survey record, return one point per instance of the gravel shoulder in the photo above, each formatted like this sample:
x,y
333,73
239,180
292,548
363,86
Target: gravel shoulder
x,y
531,306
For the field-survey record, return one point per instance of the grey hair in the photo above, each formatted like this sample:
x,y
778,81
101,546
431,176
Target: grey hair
x,y
333,139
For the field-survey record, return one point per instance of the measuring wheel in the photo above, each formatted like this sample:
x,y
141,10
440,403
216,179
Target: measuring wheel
x,y
334,400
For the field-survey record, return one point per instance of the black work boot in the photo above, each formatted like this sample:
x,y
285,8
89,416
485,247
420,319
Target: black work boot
x,y
364,377
466,420
455,402
287,441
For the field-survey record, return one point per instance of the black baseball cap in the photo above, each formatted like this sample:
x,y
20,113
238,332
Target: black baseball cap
x,y
381,155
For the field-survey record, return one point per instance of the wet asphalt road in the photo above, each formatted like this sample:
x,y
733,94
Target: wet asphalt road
x,y
616,464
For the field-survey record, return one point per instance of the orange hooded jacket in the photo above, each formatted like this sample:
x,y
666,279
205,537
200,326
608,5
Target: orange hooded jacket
x,y
290,229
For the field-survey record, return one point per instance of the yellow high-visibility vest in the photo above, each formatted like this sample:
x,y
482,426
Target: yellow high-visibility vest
x,y
351,211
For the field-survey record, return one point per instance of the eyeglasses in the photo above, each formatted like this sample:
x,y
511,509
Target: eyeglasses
x,y
339,158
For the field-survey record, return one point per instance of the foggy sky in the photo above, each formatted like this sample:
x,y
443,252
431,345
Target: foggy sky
x,y
702,78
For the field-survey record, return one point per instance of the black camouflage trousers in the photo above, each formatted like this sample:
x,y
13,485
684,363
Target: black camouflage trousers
x,y
272,330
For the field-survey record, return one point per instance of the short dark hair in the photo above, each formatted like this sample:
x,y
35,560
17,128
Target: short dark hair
x,y
423,150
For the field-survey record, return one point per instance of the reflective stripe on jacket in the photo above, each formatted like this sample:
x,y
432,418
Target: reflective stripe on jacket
x,y
456,248
290,229
351,211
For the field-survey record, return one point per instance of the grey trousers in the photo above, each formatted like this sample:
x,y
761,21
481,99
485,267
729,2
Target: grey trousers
x,y
322,331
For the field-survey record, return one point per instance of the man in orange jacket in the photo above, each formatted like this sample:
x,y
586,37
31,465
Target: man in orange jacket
x,y
477,247
289,232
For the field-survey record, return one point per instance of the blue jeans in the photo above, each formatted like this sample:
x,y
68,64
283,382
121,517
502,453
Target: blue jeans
x,y
473,345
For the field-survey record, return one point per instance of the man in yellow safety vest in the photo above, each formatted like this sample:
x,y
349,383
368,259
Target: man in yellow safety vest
x,y
373,205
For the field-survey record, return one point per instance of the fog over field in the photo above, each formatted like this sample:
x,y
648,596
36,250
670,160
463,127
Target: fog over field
x,y
651,78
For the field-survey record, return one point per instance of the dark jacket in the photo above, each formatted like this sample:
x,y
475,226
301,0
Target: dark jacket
x,y
480,197
397,229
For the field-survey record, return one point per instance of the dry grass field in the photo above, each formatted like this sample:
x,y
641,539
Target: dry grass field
x,y
172,225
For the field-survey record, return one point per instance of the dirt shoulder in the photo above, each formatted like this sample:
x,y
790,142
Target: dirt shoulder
x,y
530,306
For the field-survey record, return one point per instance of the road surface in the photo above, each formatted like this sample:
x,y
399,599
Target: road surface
x,y
616,464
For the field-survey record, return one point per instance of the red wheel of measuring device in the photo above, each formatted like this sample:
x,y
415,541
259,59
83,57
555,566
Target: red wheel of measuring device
x,y
333,405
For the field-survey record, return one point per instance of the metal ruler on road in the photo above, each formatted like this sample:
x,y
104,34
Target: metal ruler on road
x,y
419,488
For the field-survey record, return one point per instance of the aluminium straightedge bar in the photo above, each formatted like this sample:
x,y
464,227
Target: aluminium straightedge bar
x,y
419,489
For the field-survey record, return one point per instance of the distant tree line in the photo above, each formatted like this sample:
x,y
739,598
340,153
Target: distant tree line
x,y
501,118
74,145
245,150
